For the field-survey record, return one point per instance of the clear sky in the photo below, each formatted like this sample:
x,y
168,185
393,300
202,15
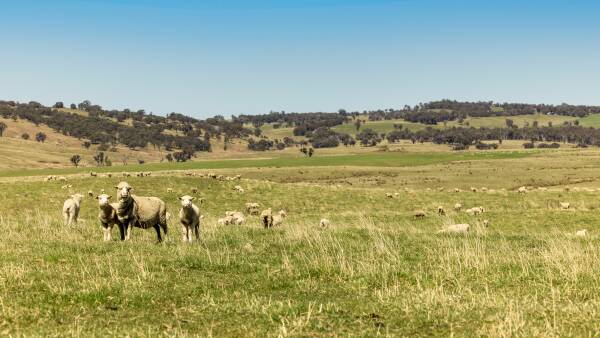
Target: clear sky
x,y
241,56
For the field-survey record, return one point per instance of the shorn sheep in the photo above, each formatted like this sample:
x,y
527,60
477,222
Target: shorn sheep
x,y
141,212
457,207
71,209
189,216
107,215
253,208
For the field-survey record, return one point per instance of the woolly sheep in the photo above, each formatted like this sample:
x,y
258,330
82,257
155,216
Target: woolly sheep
x,y
93,174
225,220
565,205
419,214
396,194
194,191
456,190
522,190
486,223
279,217
189,216
238,189
107,215
252,208
324,223
141,212
266,217
71,209
475,211
456,228
581,233
473,189
169,190
440,210
236,217
62,179
67,186
457,206
389,195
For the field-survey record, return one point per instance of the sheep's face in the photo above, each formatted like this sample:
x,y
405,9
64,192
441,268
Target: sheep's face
x,y
103,200
186,201
123,190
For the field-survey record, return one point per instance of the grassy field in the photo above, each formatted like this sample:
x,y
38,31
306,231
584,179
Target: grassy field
x,y
375,270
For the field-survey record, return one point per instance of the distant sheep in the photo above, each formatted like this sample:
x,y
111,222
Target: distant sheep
x,y
71,209
253,208
67,186
441,211
90,193
239,189
475,211
266,217
109,175
194,190
522,190
456,190
324,223
565,205
237,217
93,174
486,223
389,195
189,216
419,214
473,189
279,217
457,207
107,215
225,220
169,190
456,228
581,233
62,179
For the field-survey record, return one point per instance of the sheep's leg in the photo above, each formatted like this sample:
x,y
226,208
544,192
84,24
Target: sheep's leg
x,y
66,217
184,231
157,228
128,227
196,231
122,231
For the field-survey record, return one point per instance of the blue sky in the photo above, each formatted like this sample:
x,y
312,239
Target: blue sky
x,y
232,57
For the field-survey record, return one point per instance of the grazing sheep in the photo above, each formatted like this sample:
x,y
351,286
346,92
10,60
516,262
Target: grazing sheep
x,y
457,207
441,211
189,216
238,177
169,190
194,191
581,233
238,189
419,214
389,195
141,212
126,174
565,205
279,217
253,208
71,209
484,189
266,217
456,228
62,179
109,175
90,193
107,215
93,174
475,211
225,220
324,223
396,194
522,190
237,217
473,189
456,190
51,178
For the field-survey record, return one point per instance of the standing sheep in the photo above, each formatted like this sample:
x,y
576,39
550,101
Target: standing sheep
x,y
457,207
441,211
71,209
279,217
238,189
266,217
324,223
253,208
419,214
142,212
189,216
107,215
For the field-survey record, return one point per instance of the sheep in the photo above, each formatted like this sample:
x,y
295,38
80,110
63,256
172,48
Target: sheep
x,y
396,194
457,207
126,174
441,211
581,233
236,217
419,214
486,223
71,209
475,211
389,195
107,215
169,190
194,190
266,217
279,217
90,193
142,212
324,223
93,174
67,186
565,205
109,175
456,228
189,216
522,190
484,189
238,177
225,220
62,179
50,178
238,189
473,189
456,190
252,208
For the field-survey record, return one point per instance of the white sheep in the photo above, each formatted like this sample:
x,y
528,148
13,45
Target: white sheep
x,y
238,189
279,217
581,233
389,195
62,179
441,210
475,211
253,208
324,223
457,207
189,216
107,215
456,228
522,190
169,190
141,212
225,220
71,209
565,205
237,217
266,217
419,214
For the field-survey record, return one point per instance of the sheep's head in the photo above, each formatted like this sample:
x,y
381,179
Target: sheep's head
x,y
103,200
123,190
282,213
186,201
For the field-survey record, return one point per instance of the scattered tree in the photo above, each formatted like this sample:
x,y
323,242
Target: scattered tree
x,y
75,159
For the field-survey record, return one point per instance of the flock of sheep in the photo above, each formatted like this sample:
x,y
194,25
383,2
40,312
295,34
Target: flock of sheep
x,y
131,211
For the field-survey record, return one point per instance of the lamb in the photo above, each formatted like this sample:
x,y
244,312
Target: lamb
x,y
107,215
441,210
225,220
581,233
324,223
238,189
169,190
522,190
71,209
456,228
457,207
475,211
279,217
189,216
141,212
252,208
236,217
266,217
565,205
419,214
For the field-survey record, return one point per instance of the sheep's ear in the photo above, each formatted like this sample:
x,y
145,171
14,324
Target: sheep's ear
x,y
116,187
180,198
